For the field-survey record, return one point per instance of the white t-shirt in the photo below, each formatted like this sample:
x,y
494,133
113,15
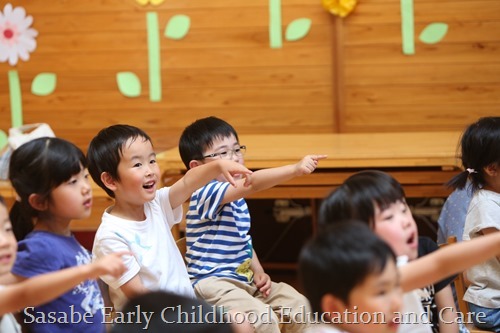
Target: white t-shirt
x,y
413,317
483,212
156,257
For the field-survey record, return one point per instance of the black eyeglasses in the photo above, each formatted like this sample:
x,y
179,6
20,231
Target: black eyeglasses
x,y
228,154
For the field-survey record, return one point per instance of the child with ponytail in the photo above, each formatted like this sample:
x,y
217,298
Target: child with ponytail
x,y
480,150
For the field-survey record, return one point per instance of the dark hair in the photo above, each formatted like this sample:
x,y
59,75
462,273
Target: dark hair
x,y
200,135
39,166
480,147
105,151
357,196
168,315
339,258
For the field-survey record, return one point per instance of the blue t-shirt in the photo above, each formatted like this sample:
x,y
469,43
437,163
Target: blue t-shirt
x,y
78,310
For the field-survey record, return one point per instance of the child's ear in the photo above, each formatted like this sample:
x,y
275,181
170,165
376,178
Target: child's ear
x,y
332,304
108,181
194,164
38,202
491,169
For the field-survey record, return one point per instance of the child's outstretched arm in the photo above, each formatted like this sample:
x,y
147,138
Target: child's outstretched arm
x,y
449,260
201,175
267,178
43,288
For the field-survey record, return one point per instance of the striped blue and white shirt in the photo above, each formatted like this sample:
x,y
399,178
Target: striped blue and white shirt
x,y
218,243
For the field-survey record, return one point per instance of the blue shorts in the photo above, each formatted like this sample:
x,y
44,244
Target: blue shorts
x,y
489,318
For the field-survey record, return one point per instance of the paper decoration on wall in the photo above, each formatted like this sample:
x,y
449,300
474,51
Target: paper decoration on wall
x,y
433,33
275,41
153,2
17,39
154,57
177,27
128,84
4,139
297,29
340,8
407,27
44,84
16,107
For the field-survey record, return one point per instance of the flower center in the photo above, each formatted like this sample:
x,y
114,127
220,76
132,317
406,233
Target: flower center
x,y
8,33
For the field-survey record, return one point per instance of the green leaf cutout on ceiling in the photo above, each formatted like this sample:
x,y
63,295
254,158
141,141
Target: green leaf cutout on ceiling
x,y
177,27
433,33
44,84
128,84
297,29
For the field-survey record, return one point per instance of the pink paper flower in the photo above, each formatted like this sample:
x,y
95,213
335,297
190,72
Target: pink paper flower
x,y
17,39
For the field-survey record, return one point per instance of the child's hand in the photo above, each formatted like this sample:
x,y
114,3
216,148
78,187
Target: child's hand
x,y
231,169
308,164
111,264
263,283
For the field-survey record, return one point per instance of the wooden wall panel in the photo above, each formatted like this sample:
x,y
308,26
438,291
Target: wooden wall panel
x,y
346,75
442,86
223,67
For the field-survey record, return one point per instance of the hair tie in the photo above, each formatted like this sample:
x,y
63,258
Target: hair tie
x,y
470,170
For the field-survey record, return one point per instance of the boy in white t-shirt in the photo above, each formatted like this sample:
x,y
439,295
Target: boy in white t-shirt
x,y
122,161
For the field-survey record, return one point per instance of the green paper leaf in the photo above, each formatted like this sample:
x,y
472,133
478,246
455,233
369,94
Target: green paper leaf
x,y
128,84
16,101
154,58
407,26
3,139
44,84
433,33
275,38
297,29
177,27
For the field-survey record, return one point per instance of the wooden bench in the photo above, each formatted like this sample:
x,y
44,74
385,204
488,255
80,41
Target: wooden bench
x,y
421,161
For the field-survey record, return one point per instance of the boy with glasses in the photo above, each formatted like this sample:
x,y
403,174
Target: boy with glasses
x,y
122,161
222,263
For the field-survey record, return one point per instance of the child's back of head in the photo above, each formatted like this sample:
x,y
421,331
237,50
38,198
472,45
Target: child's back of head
x,y
37,167
480,148
105,151
200,135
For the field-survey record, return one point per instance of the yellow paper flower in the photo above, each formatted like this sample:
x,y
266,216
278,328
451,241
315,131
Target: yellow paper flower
x,y
153,2
341,8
